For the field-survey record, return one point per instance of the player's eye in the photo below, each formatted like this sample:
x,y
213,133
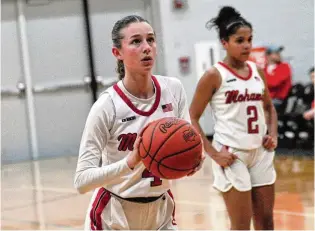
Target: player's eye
x,y
136,41
151,40
240,40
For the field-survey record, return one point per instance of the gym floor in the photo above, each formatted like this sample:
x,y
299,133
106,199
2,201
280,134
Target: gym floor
x,y
40,195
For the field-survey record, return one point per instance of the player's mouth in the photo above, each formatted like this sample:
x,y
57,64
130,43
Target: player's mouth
x,y
246,53
148,60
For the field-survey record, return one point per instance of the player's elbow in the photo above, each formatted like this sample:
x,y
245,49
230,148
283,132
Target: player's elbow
x,y
78,185
81,190
193,115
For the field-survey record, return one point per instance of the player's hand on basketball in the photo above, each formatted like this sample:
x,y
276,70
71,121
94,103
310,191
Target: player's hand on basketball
x,y
224,158
270,142
134,158
203,157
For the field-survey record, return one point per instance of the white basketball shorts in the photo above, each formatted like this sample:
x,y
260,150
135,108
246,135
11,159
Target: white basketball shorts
x,y
109,212
253,168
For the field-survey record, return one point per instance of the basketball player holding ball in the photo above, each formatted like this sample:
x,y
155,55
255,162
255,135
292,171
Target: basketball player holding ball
x,y
245,131
126,195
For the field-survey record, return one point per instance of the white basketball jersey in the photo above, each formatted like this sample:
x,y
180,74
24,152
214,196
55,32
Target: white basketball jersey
x,y
238,108
130,116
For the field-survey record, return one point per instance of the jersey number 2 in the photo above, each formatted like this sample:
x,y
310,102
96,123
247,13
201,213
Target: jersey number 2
x,y
253,117
155,181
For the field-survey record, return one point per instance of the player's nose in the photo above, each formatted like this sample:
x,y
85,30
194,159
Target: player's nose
x,y
247,45
147,48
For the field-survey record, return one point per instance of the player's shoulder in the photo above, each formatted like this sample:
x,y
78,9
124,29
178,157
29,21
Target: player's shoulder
x,y
211,75
104,101
213,72
168,81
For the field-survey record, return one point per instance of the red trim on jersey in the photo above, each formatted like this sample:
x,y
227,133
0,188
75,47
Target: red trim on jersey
x,y
237,75
173,214
101,200
136,110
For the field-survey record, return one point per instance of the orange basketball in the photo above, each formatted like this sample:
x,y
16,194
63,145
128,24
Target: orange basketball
x,y
171,148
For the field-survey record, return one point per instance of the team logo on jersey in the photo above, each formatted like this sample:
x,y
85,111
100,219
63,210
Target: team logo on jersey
x,y
189,135
230,80
167,107
163,127
126,141
235,96
128,119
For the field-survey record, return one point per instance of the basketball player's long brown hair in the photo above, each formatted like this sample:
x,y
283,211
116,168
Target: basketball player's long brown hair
x,y
117,36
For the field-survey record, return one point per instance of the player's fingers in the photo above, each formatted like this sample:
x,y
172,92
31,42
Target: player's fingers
x,y
234,156
137,142
267,140
230,158
224,148
222,163
226,164
268,144
231,162
273,144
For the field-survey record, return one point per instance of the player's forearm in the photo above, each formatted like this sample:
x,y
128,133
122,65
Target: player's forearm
x,y
89,177
206,143
272,121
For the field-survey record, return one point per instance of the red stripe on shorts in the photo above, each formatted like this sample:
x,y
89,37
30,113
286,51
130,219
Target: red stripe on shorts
x,y
173,214
101,200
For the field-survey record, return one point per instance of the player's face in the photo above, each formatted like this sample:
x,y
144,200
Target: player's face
x,y
240,44
138,48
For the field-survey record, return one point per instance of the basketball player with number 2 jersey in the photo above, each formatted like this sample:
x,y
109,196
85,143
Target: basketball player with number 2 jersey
x,y
240,126
245,129
126,195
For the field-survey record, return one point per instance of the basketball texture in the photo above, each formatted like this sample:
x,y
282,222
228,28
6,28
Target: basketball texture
x,y
171,148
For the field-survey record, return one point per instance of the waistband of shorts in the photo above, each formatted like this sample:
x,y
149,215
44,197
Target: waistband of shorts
x,y
237,149
138,199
